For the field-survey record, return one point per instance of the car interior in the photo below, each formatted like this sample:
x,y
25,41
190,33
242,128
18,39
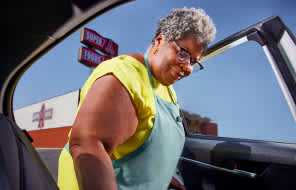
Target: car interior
x,y
207,162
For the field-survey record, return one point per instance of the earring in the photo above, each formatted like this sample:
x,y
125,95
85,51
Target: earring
x,y
155,51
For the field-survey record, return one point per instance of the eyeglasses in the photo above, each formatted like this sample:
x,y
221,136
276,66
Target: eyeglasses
x,y
184,56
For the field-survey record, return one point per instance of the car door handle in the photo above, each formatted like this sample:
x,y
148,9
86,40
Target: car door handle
x,y
210,166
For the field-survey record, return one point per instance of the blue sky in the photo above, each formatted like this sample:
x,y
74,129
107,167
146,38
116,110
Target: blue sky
x,y
237,89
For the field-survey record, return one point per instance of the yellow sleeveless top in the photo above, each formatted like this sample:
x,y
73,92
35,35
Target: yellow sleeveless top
x,y
134,77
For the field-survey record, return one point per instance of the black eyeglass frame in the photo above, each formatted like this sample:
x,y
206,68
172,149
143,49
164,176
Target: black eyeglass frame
x,y
192,61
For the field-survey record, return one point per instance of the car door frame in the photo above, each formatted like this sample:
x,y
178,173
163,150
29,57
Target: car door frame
x,y
216,159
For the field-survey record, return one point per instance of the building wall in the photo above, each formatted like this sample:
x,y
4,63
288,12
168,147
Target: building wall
x,y
48,122
209,129
50,138
200,125
52,113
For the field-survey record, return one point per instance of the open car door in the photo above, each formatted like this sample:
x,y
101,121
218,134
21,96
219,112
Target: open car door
x,y
211,162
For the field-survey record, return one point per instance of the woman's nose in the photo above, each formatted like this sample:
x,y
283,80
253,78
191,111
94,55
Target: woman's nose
x,y
187,68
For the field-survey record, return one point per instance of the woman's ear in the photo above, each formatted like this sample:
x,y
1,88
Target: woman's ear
x,y
158,39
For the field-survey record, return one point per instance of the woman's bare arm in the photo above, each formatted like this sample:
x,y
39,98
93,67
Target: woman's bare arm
x,y
105,119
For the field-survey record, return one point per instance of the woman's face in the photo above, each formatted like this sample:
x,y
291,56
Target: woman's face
x,y
166,65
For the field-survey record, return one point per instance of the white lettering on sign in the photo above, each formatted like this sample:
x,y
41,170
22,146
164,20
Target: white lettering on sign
x,y
94,38
90,57
110,48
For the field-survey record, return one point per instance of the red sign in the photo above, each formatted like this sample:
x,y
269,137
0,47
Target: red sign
x,y
111,48
90,57
93,39
42,115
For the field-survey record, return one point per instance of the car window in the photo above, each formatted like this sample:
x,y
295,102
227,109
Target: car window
x,y
237,95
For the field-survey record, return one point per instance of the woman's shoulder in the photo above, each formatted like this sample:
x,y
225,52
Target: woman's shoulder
x,y
129,68
131,63
130,72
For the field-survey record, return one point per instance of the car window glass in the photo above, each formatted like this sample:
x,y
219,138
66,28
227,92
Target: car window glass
x,y
227,94
237,95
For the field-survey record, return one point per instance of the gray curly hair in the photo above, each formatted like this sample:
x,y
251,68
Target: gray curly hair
x,y
180,22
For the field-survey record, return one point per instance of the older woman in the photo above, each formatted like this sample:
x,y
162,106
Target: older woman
x,y
128,133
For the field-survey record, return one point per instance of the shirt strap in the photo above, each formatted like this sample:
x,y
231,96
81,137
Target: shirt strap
x,y
172,96
148,68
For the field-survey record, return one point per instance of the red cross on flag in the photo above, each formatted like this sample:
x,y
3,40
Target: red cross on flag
x,y
42,115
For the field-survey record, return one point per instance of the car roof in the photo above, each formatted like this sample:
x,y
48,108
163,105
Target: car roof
x,y
33,28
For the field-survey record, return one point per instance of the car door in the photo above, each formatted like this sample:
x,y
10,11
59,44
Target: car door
x,y
220,162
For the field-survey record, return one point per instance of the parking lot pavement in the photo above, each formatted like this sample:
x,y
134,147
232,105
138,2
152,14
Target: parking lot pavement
x,y
50,156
